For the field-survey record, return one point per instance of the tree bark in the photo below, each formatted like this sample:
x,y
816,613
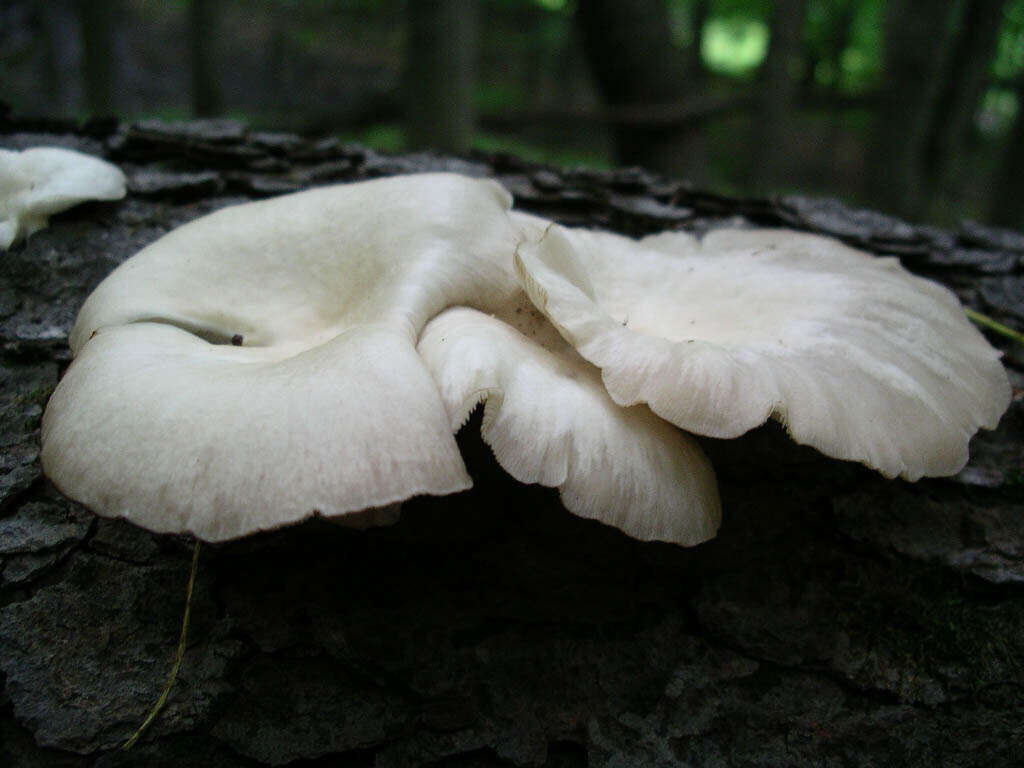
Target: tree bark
x,y
440,74
839,618
630,52
203,36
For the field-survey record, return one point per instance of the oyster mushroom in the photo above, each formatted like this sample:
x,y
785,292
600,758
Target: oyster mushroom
x,y
259,366
39,182
549,420
851,353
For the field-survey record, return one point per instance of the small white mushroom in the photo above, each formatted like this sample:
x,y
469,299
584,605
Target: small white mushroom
x,y
258,365
39,182
855,356
549,420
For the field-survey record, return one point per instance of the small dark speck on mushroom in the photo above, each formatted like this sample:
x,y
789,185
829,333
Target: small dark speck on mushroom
x,y
237,339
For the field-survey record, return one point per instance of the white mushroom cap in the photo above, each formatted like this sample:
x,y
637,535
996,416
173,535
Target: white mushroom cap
x,y
39,182
326,408
155,425
855,356
299,269
549,420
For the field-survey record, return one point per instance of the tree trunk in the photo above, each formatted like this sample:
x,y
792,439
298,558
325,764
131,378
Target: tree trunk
x,y
1008,186
966,79
773,130
630,52
916,49
46,27
699,11
839,618
277,56
98,20
440,74
203,36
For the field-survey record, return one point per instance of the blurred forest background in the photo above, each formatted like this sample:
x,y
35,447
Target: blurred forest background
x,y
909,106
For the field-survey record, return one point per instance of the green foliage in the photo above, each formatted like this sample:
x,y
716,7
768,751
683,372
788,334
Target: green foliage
x,y
1009,59
1000,105
536,153
168,114
734,41
491,98
345,6
843,43
389,137
561,7
682,24
558,6
734,45
843,39
531,63
751,9
861,60
999,109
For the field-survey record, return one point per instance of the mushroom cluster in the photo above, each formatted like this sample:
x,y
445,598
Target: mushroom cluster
x,y
320,351
39,182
